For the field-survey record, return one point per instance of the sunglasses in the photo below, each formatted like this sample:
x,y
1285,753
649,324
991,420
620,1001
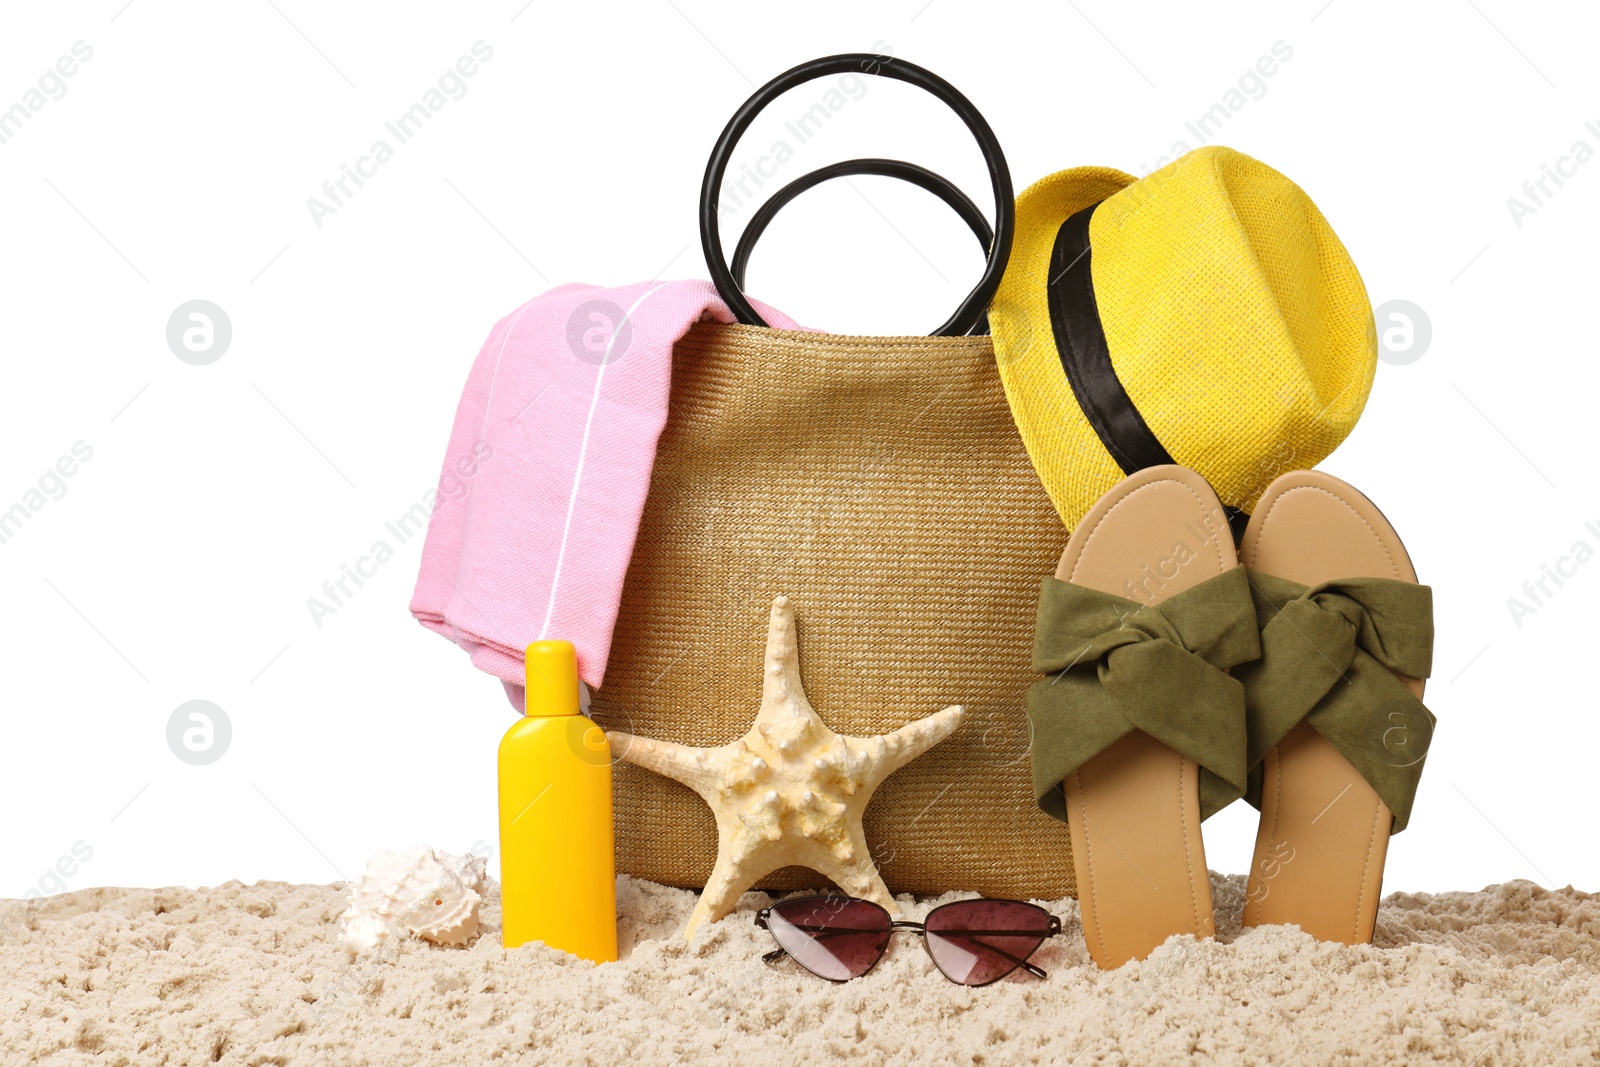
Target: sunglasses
x,y
972,942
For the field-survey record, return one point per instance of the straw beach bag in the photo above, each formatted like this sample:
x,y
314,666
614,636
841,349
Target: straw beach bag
x,y
881,484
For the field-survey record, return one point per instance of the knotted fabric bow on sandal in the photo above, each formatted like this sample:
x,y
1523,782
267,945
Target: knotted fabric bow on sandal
x,y
1338,733
1115,666
1330,654
1138,732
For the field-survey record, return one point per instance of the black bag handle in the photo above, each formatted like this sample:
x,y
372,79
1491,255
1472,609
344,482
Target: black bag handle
x,y
971,311
937,184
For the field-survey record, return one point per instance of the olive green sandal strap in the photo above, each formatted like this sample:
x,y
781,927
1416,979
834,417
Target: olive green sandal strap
x,y
1115,665
1329,656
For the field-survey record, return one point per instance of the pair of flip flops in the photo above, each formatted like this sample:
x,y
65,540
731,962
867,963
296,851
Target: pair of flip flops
x,y
1182,674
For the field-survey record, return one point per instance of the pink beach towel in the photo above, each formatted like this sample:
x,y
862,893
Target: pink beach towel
x,y
547,469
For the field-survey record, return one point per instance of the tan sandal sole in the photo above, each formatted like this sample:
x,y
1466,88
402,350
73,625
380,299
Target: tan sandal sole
x,y
1324,834
1133,811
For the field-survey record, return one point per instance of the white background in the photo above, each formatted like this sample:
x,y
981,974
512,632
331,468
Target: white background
x,y
177,166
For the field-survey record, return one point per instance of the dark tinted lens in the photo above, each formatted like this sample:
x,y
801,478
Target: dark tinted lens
x,y
975,942
833,937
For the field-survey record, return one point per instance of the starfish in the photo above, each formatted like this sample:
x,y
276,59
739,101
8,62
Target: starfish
x,y
791,791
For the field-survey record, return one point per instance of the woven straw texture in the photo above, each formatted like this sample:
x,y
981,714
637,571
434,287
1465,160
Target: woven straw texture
x,y
1235,319
881,484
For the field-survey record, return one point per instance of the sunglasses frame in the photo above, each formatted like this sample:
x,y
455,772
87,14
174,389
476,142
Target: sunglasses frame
x,y
921,928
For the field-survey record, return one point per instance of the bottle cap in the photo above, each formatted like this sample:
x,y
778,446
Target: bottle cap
x,y
552,678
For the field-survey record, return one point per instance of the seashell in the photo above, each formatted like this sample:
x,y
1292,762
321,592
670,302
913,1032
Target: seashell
x,y
422,893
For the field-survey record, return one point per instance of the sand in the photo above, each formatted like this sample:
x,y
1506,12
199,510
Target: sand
x,y
255,975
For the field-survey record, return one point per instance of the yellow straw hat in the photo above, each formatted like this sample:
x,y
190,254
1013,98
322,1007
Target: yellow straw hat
x,y
1204,315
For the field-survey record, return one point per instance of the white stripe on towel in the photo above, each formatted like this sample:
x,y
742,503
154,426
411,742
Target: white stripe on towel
x,y
583,451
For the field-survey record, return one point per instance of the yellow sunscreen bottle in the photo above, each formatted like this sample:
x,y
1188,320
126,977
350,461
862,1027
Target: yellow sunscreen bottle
x,y
557,870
